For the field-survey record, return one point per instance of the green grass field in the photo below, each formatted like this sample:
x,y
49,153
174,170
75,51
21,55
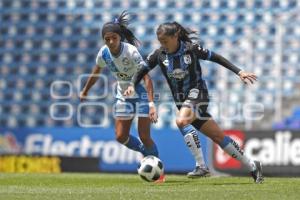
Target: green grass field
x,y
130,186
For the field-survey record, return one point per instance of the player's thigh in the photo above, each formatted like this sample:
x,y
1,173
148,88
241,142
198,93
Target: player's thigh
x,y
144,127
195,106
124,114
122,128
212,130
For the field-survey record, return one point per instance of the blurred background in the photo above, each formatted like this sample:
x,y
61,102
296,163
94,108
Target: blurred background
x,y
48,48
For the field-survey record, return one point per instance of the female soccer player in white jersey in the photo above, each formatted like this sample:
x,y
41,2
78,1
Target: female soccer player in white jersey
x,y
123,60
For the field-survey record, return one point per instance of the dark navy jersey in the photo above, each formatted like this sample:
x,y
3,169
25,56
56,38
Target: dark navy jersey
x,y
181,69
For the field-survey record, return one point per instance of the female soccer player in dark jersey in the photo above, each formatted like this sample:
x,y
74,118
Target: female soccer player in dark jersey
x,y
178,58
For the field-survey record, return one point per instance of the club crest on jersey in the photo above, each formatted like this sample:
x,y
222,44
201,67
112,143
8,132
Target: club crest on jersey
x,y
166,62
187,59
125,61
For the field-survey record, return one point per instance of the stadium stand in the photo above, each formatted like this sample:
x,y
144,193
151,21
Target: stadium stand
x,y
43,41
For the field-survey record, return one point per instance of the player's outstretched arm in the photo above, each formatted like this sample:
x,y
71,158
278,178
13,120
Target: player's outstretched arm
x,y
90,82
246,77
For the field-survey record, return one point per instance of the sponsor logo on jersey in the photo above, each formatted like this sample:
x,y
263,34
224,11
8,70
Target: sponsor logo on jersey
x,y
123,76
178,74
187,59
193,94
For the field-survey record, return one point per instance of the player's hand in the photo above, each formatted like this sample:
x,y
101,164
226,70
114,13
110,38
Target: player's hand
x,y
83,96
247,77
129,91
152,113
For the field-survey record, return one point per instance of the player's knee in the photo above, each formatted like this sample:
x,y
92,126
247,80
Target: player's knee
x,y
181,122
121,137
217,138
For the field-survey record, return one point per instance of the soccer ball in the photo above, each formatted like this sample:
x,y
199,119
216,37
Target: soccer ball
x,y
150,169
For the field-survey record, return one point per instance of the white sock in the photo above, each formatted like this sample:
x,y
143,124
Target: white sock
x,y
233,149
192,141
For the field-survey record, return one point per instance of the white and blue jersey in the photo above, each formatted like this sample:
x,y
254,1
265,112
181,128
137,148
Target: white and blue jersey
x,y
123,67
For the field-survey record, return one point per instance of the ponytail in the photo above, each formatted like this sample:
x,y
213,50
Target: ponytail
x,y
171,28
120,26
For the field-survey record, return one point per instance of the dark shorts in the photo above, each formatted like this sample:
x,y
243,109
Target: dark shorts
x,y
198,100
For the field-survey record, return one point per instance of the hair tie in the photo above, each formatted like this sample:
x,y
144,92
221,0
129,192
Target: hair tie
x,y
116,21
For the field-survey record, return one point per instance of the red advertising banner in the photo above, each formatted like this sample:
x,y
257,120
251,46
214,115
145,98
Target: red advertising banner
x,y
279,152
224,161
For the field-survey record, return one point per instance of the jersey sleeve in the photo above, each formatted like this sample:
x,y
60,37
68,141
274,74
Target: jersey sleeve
x,y
152,59
206,54
151,62
201,52
137,59
99,59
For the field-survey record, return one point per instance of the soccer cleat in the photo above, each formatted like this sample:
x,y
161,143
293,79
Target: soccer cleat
x,y
257,173
199,172
161,179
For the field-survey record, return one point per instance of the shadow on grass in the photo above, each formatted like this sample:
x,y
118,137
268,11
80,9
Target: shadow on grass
x,y
198,182
171,182
230,183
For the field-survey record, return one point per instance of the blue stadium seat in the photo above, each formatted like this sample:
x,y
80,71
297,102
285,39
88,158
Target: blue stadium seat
x,y
43,41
